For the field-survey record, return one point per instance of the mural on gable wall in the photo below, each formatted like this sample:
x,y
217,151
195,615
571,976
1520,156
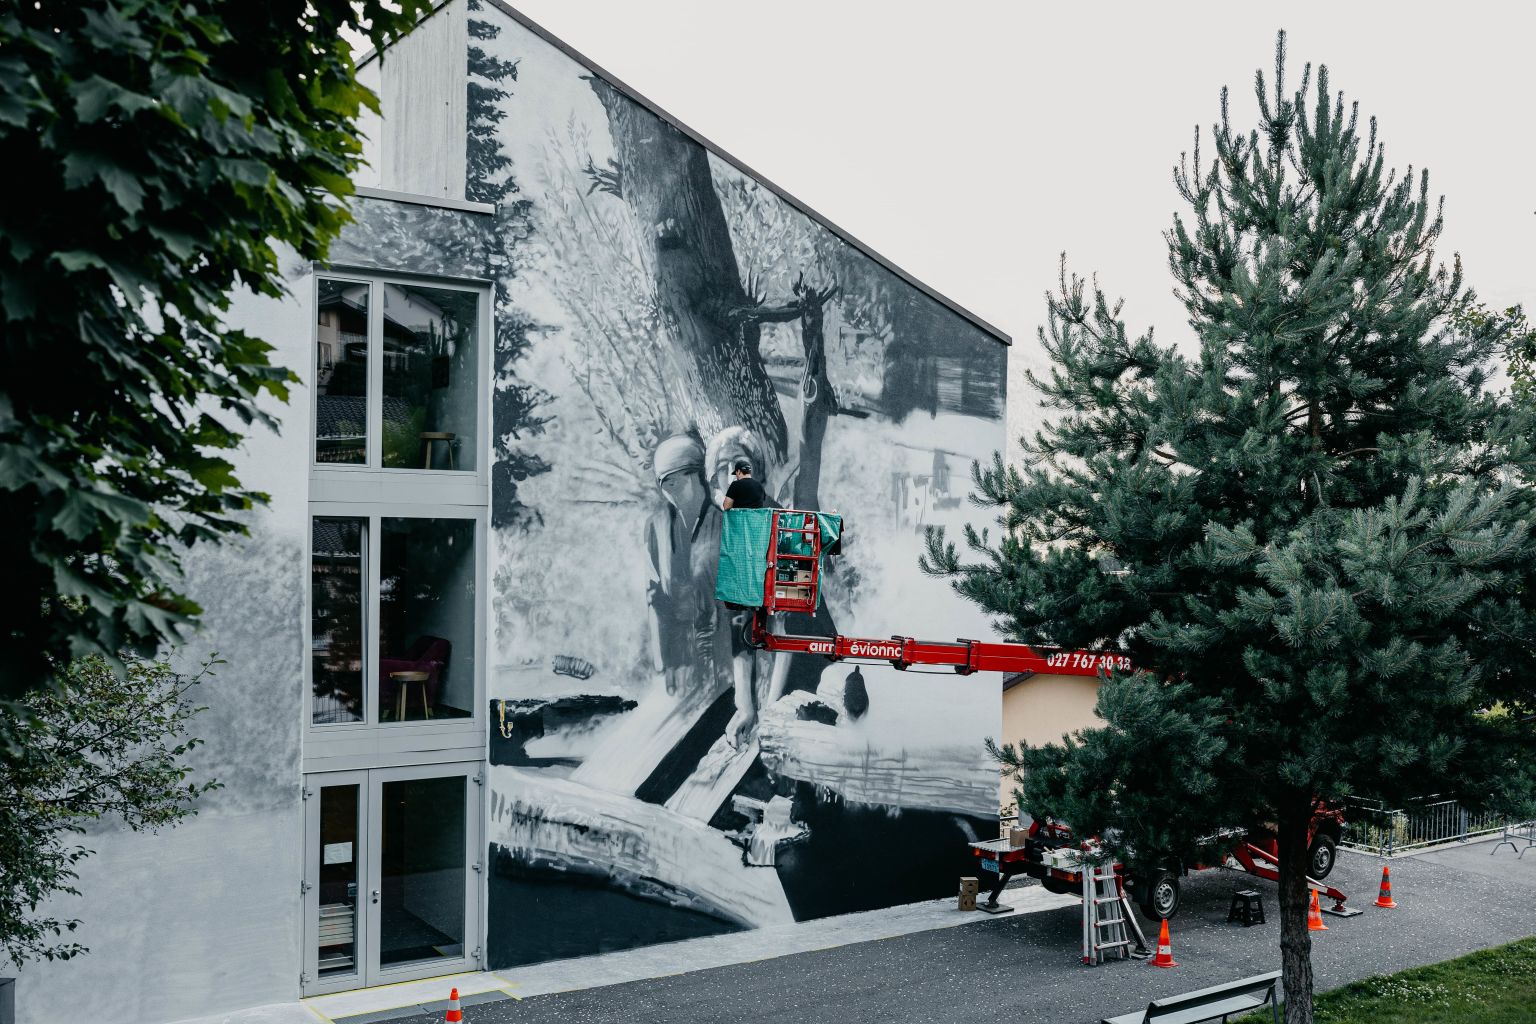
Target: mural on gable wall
x,y
659,314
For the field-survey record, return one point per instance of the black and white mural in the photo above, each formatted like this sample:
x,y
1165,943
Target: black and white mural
x,y
659,314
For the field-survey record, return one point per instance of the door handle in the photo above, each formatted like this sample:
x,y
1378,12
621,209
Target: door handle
x,y
375,895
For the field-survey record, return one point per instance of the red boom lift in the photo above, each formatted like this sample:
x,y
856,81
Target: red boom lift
x,y
793,584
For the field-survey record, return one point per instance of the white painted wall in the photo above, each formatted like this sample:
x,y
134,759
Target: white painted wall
x,y
423,97
205,917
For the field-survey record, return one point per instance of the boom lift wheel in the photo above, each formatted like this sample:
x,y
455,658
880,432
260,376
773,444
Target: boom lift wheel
x,y
1160,898
1322,857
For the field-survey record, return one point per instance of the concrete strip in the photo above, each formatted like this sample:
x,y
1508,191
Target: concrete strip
x,y
273,1013
405,996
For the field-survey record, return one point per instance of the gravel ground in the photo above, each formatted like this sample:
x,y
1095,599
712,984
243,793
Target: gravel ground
x,y
1025,969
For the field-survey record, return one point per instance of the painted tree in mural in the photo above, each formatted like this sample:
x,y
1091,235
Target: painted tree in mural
x,y
1327,560
488,171
717,323
516,405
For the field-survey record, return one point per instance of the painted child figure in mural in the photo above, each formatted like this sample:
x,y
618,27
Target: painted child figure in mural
x,y
759,678
683,541
693,635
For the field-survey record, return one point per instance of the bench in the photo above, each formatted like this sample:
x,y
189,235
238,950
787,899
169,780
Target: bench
x,y
1232,999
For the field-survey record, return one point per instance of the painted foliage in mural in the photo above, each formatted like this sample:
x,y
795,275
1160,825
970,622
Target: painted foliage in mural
x,y
659,315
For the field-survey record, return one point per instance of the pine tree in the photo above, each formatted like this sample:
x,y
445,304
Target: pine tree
x,y
1320,546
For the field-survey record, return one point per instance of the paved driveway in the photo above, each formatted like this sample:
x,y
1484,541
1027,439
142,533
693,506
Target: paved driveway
x,y
1025,969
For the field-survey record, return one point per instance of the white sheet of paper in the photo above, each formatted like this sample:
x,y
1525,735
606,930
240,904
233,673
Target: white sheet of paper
x,y
337,853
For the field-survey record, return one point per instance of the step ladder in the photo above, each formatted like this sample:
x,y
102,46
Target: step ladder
x,y
1108,922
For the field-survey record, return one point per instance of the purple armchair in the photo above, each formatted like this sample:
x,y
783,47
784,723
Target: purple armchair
x,y
428,654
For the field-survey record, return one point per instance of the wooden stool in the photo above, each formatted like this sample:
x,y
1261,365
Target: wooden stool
x,y
403,681
427,437
1247,907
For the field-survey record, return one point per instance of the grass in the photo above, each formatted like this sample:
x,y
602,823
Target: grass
x,y
1493,986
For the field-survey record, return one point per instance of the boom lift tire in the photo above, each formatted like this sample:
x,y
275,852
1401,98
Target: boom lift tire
x,y
1159,895
1322,857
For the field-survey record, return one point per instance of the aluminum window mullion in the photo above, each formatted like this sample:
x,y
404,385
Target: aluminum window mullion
x,y
375,405
485,391
371,655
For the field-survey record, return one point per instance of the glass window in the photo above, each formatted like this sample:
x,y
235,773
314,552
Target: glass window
x,y
426,619
339,847
341,373
430,375
337,548
421,877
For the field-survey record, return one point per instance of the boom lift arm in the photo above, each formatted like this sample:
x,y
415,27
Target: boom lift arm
x,y
793,584
961,656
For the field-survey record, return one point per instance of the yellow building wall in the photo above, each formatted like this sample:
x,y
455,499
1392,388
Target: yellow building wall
x,y
1042,708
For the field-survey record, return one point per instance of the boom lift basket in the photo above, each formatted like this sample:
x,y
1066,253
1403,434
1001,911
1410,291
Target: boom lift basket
x,y
770,558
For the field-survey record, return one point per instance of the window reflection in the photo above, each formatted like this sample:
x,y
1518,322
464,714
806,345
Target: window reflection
x,y
336,641
341,373
430,375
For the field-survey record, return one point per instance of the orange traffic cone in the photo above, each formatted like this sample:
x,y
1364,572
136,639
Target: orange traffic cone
x,y
1315,916
1164,956
453,1016
1384,901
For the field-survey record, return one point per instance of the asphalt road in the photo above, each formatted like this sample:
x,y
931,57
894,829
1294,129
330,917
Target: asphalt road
x,y
1025,969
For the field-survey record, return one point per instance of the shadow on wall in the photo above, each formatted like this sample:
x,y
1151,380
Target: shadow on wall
x,y
252,594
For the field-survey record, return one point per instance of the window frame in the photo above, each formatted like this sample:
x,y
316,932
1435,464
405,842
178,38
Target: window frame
x,y
371,492
371,736
372,470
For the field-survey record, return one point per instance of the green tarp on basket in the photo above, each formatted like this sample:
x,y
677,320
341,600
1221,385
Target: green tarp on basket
x,y
744,543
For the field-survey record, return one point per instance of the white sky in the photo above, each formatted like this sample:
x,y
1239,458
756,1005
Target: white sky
x,y
971,142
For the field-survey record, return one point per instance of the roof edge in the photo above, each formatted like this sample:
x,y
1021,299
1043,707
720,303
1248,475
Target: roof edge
x,y
847,236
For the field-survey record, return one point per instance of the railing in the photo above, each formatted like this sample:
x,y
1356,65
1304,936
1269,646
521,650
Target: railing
x,y
1421,825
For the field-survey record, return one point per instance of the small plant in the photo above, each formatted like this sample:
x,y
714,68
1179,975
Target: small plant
x,y
108,745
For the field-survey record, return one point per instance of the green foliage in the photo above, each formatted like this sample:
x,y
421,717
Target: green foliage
x,y
1493,986
1325,559
169,152
110,749
1521,346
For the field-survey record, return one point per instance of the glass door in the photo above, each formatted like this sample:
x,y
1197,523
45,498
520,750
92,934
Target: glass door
x,y
420,892
392,889
336,825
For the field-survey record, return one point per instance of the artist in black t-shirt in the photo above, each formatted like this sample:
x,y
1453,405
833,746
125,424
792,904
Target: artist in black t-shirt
x,y
744,491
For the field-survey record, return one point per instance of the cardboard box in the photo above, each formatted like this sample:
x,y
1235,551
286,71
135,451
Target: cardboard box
x,y
1017,837
969,886
967,901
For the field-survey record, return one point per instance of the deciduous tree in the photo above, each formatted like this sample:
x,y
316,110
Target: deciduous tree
x,y
169,151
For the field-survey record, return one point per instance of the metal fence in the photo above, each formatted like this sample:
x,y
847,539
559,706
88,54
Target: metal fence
x,y
1422,824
